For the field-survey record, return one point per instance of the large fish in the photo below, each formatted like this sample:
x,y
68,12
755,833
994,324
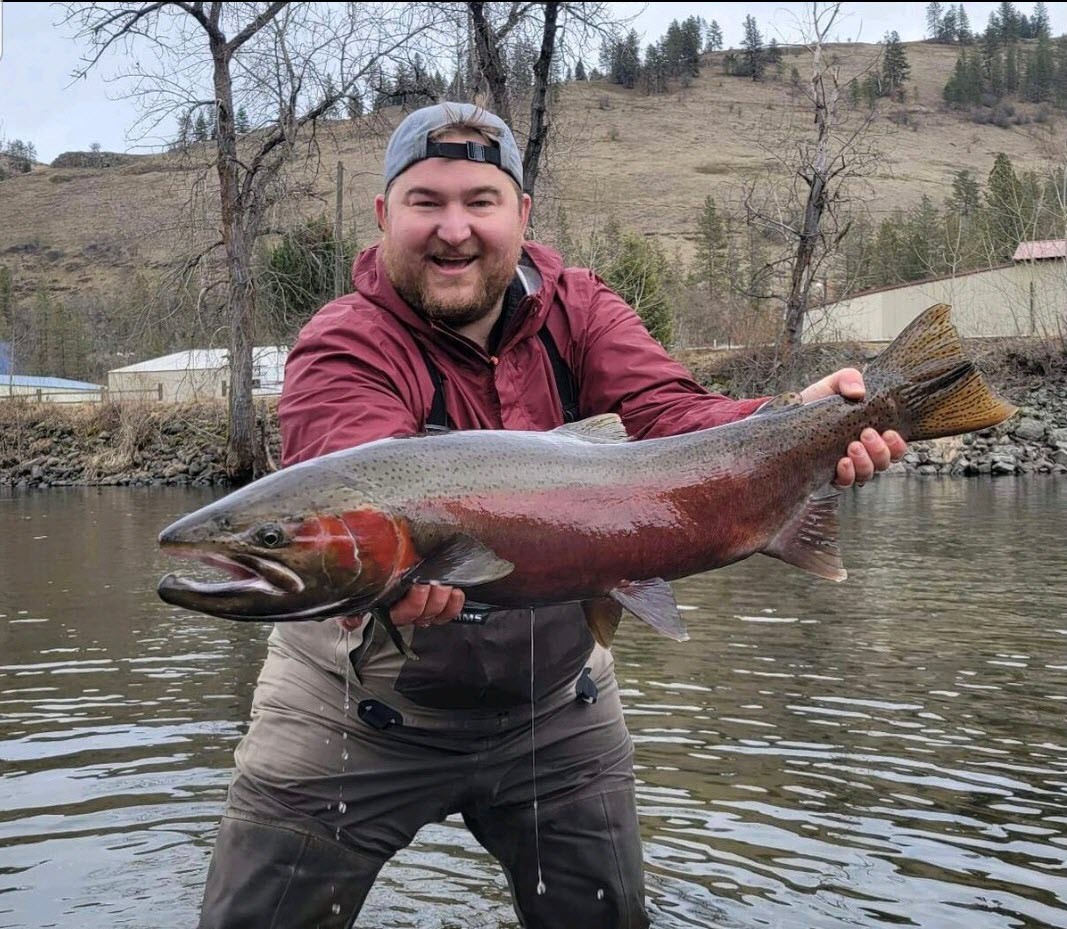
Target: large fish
x,y
523,519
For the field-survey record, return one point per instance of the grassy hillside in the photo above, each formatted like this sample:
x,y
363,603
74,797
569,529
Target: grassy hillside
x,y
649,161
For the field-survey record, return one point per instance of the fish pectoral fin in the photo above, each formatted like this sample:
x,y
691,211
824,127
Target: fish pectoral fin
x,y
602,429
603,616
381,616
653,602
462,561
809,539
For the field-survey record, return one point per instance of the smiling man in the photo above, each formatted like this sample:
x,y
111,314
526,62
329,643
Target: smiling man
x,y
457,322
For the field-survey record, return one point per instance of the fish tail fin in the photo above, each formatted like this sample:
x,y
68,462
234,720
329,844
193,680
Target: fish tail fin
x,y
939,390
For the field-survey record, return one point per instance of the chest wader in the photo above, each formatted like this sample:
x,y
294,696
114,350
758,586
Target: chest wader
x,y
290,855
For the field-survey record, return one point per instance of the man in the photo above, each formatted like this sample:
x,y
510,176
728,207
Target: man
x,y
456,322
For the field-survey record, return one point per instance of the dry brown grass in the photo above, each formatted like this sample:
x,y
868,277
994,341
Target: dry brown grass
x,y
650,161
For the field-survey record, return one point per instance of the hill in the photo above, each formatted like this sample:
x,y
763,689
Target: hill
x,y
647,160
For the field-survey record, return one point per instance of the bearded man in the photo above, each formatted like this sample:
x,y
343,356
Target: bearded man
x,y
457,322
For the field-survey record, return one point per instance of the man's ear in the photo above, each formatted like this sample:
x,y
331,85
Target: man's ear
x,y
524,209
380,211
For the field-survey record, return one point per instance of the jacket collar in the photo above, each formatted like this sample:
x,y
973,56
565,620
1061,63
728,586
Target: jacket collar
x,y
372,283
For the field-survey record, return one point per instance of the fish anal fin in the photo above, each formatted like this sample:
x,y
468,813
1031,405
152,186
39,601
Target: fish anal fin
x,y
602,615
462,561
810,539
602,429
653,602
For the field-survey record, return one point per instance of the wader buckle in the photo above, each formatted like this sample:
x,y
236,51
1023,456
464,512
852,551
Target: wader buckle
x,y
377,714
586,689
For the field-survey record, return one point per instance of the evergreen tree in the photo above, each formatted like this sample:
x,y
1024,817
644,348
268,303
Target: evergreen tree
x,y
963,26
579,71
7,307
933,21
710,261
895,67
752,50
640,273
240,120
1041,72
1011,70
1059,81
200,127
1008,17
1004,207
949,27
966,194
654,73
714,40
185,129
1039,23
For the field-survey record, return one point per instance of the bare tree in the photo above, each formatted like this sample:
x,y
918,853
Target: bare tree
x,y
288,64
810,214
558,29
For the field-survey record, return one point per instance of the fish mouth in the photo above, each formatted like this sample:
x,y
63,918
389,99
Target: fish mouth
x,y
249,574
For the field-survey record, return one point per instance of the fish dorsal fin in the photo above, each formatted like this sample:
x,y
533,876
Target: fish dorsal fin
x,y
602,615
809,539
780,403
462,561
652,601
601,429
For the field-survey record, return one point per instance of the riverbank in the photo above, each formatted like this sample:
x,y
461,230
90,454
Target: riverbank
x,y
51,445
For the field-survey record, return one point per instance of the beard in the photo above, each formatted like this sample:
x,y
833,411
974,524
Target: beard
x,y
457,306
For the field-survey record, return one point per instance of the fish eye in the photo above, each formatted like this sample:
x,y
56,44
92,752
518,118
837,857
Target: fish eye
x,y
270,536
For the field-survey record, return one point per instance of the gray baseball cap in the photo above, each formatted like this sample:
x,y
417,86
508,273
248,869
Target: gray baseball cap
x,y
410,141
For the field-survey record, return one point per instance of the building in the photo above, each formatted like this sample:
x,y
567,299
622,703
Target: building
x,y
48,389
1024,299
197,374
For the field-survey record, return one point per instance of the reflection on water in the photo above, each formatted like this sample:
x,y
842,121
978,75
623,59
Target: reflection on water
x,y
889,751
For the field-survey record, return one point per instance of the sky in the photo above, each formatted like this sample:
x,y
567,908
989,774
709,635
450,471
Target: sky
x,y
41,103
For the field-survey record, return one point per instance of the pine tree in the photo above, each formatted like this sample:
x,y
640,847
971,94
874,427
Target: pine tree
x,y
1040,72
579,71
1059,81
714,40
329,92
7,306
354,104
1008,17
752,50
1011,70
185,129
949,27
200,128
966,194
240,120
1039,23
710,261
895,67
1003,200
933,21
963,26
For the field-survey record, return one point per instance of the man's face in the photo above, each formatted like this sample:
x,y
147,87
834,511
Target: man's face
x,y
452,234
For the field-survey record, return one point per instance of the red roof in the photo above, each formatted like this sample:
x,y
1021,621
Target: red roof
x,y
1036,251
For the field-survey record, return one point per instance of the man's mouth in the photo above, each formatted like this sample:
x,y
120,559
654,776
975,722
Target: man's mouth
x,y
454,263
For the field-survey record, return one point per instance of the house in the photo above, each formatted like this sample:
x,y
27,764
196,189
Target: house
x,y
196,374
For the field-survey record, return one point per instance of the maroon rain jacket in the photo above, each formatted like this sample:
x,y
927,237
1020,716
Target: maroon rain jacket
x,y
356,374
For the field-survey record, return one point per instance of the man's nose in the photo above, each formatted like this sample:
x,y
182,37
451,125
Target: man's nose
x,y
454,227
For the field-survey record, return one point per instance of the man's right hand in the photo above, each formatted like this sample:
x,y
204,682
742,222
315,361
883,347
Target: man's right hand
x,y
423,605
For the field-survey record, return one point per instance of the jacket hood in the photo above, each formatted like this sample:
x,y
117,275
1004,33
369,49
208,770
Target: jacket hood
x,y
370,280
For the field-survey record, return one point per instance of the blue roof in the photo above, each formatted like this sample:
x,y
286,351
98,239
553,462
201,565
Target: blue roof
x,y
44,383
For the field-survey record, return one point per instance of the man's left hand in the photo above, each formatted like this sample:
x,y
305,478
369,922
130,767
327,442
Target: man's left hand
x,y
873,452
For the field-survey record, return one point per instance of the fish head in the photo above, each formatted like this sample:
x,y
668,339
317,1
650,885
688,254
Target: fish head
x,y
289,556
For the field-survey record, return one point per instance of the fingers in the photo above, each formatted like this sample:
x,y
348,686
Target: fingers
x,y
848,382
351,623
428,605
871,454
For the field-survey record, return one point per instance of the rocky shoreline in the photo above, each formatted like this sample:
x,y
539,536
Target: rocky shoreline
x,y
48,445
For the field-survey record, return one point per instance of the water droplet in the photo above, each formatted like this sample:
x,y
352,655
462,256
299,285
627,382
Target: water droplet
x,y
600,894
336,908
541,888
342,807
344,756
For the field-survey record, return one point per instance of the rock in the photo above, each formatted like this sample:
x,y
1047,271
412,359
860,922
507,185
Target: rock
x,y
1003,466
1059,437
1060,457
1029,430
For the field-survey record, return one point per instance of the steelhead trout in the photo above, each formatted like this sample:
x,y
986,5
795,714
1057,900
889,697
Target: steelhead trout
x,y
524,519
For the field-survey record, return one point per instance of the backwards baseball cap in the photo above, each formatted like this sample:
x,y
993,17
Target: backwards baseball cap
x,y
410,141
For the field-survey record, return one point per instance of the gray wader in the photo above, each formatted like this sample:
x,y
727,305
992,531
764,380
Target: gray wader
x,y
325,794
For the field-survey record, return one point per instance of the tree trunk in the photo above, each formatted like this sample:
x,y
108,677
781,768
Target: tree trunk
x,y
241,441
490,65
539,122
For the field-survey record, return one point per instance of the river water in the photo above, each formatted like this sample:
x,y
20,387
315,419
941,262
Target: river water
x,y
889,751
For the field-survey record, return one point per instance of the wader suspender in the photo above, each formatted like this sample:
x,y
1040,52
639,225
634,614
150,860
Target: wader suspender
x,y
438,418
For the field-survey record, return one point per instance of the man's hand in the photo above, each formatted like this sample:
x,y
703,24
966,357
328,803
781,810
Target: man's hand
x,y
873,452
423,605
